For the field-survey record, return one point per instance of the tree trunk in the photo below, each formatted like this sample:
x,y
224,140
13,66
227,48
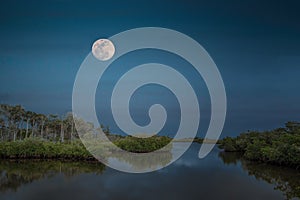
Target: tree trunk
x,y
46,132
15,135
20,130
42,130
32,129
62,132
72,130
27,123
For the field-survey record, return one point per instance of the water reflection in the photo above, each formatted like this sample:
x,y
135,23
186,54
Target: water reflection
x,y
140,162
285,180
14,174
218,176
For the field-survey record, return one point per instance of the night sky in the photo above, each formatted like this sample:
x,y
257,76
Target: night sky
x,y
255,44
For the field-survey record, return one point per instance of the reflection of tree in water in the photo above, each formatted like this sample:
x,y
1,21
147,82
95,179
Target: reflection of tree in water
x,y
142,162
285,180
14,174
230,158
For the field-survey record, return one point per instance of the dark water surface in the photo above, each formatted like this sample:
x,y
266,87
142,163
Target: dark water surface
x,y
218,176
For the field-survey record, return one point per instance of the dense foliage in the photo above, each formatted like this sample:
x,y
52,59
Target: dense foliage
x,y
280,146
38,149
75,150
142,145
16,123
26,134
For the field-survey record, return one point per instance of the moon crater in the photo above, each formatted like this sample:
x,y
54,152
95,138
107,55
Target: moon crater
x,y
103,49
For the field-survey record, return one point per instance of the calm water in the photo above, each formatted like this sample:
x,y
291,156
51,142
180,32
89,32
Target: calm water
x,y
218,176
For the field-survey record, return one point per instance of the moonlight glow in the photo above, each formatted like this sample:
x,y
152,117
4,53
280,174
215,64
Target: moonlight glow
x,y
103,49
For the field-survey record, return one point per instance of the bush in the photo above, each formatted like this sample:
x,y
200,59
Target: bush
x,y
280,146
142,145
34,148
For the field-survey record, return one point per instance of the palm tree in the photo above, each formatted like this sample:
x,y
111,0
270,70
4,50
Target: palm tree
x,y
69,125
33,121
18,120
3,120
53,124
14,118
41,122
2,127
62,132
27,115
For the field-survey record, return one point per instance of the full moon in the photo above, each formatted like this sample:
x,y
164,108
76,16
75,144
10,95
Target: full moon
x,y
103,49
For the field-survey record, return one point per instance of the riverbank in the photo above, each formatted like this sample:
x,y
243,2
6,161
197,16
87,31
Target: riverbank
x,y
37,175
280,146
39,149
75,150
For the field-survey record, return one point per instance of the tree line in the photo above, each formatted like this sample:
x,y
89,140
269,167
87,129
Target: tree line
x,y
280,146
16,123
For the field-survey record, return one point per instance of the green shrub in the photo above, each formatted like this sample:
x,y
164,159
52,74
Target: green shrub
x,y
139,145
280,146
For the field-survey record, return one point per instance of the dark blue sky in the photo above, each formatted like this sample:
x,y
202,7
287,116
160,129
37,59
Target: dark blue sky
x,y
255,44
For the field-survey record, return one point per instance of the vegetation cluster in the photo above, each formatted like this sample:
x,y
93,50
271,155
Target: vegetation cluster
x,y
26,134
280,146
